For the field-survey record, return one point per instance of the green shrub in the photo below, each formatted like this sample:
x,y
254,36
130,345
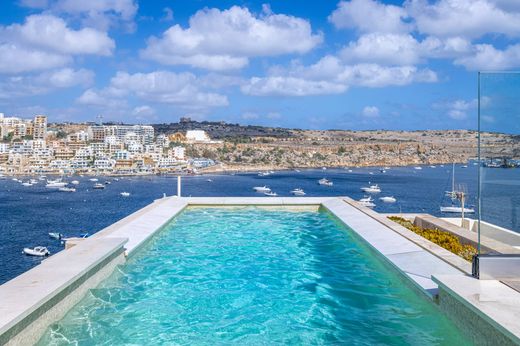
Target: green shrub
x,y
442,238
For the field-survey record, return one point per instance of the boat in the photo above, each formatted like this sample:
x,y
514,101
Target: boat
x,y
455,209
116,179
388,199
261,189
382,170
74,182
324,168
298,192
367,202
55,184
453,194
209,180
270,194
94,179
371,189
84,235
464,166
55,235
433,166
40,251
125,194
67,189
98,186
107,183
33,181
325,182
297,170
27,184
263,174
418,168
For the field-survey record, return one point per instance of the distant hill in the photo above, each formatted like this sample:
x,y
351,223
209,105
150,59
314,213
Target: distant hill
x,y
223,130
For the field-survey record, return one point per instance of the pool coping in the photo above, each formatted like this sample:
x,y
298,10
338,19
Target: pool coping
x,y
416,259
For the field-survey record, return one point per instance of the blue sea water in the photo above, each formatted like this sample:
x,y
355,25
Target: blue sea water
x,y
28,214
247,276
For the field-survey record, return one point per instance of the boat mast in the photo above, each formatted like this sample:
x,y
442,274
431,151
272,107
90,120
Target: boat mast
x,y
453,178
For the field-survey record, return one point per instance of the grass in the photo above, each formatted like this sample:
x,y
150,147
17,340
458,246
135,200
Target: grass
x,y
442,238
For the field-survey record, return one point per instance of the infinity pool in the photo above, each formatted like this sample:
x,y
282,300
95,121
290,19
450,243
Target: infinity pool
x,y
252,276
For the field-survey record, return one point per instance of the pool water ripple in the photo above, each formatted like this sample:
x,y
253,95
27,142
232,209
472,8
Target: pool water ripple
x,y
253,276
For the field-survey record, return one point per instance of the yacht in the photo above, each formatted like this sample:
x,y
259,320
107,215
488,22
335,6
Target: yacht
x,y
55,184
325,182
209,180
261,189
40,251
98,186
388,199
93,179
371,189
298,192
270,194
74,182
27,184
125,194
418,168
67,189
455,209
367,202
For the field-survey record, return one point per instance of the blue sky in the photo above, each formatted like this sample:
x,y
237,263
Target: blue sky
x,y
357,64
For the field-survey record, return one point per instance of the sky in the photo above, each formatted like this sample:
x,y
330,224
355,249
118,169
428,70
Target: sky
x,y
354,64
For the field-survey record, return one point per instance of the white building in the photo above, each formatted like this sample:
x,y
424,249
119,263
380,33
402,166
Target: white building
x,y
197,136
177,153
4,147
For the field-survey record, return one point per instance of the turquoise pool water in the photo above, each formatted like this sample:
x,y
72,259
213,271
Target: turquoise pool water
x,y
254,277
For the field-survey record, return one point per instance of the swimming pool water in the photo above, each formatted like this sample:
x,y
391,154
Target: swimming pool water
x,y
249,276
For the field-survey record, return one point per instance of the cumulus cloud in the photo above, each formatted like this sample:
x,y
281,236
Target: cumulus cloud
x,y
457,109
100,14
465,18
181,89
46,42
290,86
52,33
370,112
370,16
487,57
43,83
222,40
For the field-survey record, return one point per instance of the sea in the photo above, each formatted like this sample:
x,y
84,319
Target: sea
x,y
29,213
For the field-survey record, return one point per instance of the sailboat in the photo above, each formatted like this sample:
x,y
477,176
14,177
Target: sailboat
x,y
453,194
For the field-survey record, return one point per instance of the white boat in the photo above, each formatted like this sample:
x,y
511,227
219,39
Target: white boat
x,y
325,182
27,184
433,166
324,168
74,182
33,181
40,251
453,194
350,171
371,189
125,194
455,209
98,186
93,179
209,180
297,170
271,194
418,168
55,235
464,166
298,192
388,199
367,202
261,189
55,184
67,189
263,174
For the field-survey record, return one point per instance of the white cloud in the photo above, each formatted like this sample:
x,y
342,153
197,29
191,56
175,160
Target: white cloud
x,y
370,16
100,14
52,33
15,59
487,57
46,82
465,18
222,40
399,49
250,115
370,112
290,86
457,109
144,112
168,15
181,89
373,75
